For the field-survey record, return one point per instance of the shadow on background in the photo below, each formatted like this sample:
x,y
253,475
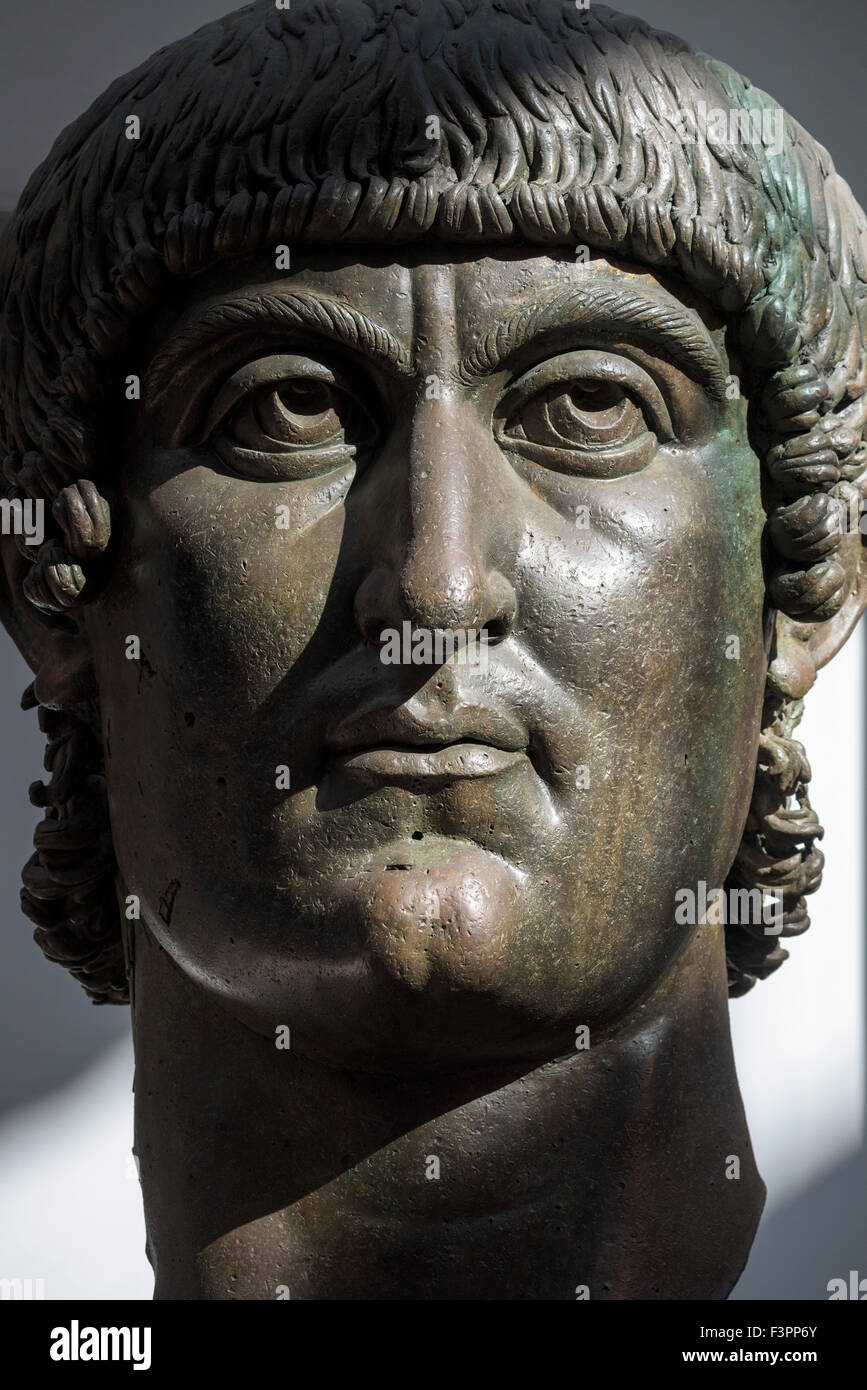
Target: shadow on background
x,y
48,1031
818,1236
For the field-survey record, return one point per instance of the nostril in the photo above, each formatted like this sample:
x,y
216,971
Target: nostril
x,y
375,606
497,630
502,605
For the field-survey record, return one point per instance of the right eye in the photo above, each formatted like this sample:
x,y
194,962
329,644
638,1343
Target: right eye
x,y
287,418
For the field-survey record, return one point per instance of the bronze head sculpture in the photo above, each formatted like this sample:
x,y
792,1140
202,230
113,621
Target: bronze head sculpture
x,y
432,317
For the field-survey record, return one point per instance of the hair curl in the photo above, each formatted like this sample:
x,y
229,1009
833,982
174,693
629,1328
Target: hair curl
x,y
554,126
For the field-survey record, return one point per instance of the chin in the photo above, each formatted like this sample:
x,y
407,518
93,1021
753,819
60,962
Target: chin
x,y
419,956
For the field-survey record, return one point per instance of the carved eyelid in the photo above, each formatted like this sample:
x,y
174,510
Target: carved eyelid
x,y
598,366
264,371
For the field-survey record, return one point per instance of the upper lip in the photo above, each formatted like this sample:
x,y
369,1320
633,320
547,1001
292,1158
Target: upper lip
x,y
401,726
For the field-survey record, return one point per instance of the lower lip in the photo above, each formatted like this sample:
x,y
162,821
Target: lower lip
x,y
413,765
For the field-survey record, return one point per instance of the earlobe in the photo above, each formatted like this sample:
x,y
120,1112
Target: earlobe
x,y
803,648
53,645
827,638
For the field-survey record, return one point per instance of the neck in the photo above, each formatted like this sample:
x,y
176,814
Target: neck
x,y
613,1171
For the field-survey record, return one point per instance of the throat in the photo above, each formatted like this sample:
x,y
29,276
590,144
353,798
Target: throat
x,y
607,1174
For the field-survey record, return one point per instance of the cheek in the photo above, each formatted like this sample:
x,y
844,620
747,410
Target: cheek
x,y
223,602
653,603
651,619
230,580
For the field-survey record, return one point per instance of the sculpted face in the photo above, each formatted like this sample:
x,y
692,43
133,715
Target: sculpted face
x,y
469,859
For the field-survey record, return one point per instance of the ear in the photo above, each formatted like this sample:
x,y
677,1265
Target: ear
x,y
52,644
803,648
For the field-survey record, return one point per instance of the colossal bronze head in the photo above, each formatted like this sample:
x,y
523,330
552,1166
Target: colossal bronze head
x,y
448,418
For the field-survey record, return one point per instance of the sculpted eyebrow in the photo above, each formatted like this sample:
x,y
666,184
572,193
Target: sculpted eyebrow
x,y
609,310
324,316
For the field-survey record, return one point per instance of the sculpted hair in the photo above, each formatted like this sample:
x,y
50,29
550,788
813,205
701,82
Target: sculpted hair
x,y
389,121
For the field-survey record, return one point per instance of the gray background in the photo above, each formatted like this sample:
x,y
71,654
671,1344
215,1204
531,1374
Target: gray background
x,y
57,59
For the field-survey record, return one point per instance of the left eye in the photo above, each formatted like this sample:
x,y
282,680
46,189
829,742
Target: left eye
x,y
588,412
579,415
287,418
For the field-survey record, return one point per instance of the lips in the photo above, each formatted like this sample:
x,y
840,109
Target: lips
x,y
404,765
407,748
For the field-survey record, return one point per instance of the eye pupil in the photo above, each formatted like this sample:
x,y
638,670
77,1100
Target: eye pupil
x,y
595,395
308,397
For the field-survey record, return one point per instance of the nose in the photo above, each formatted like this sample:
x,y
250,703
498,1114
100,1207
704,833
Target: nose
x,y
442,577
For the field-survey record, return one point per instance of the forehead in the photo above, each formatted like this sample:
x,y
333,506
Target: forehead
x,y
427,292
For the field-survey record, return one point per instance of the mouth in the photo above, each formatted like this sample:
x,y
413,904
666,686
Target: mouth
x,y
411,765
424,748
